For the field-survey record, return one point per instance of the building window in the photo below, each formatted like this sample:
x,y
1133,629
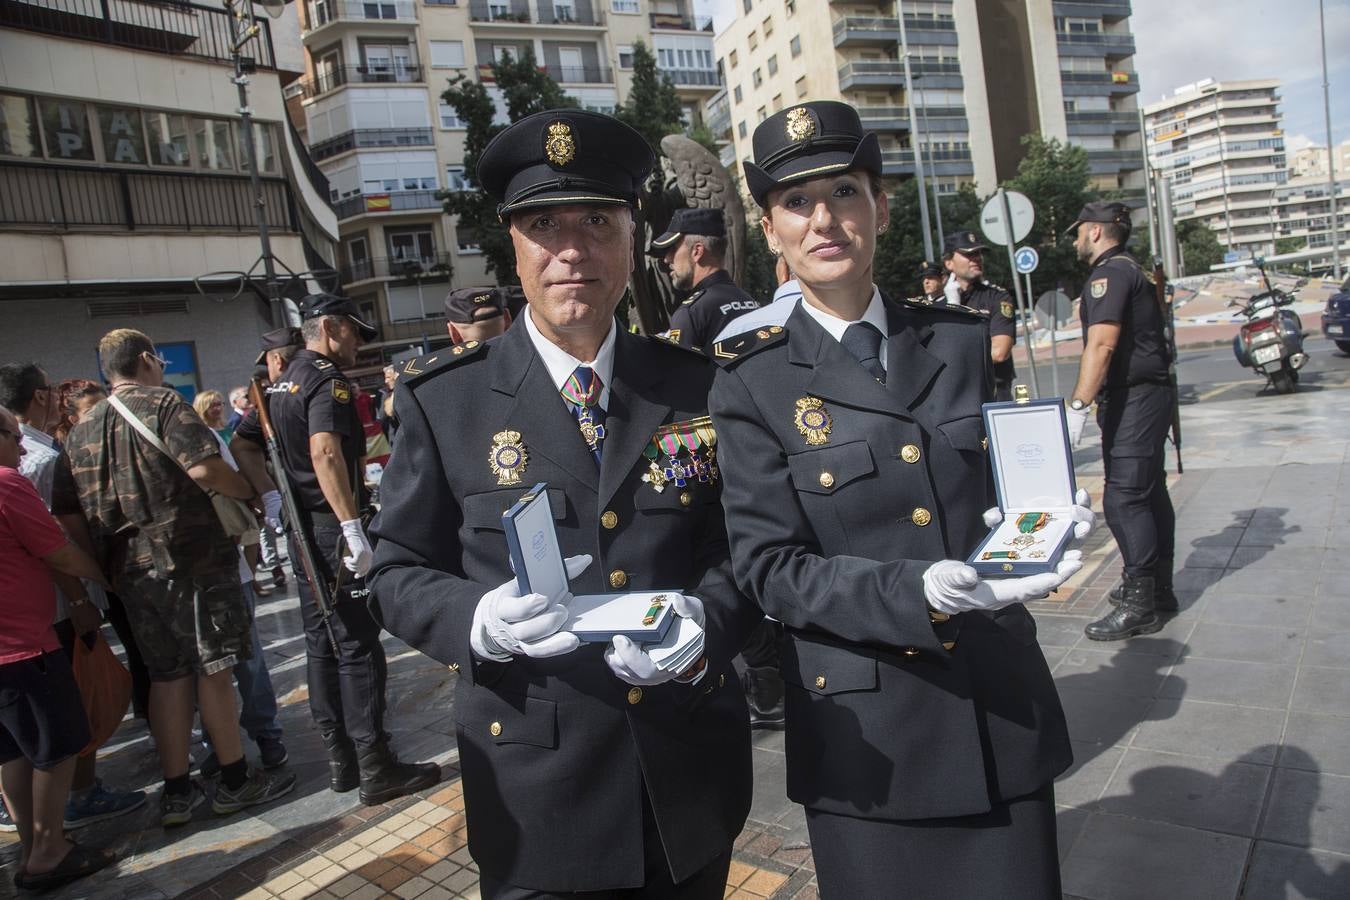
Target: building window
x,y
732,57
449,116
801,87
767,25
625,7
213,143
747,5
455,179
790,6
737,94
65,127
168,139
753,39
761,114
773,65
18,127
625,56
777,102
447,54
263,150
796,46
466,239
740,129
123,137
757,78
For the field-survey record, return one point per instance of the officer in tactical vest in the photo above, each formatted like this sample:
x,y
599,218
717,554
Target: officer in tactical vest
x,y
693,249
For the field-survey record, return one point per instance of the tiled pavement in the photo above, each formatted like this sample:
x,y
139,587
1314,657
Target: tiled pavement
x,y
1212,760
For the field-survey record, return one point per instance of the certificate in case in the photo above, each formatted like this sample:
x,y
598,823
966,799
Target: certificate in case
x,y
642,616
1033,473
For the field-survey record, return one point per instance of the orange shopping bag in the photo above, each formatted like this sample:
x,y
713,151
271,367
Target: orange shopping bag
x,y
105,689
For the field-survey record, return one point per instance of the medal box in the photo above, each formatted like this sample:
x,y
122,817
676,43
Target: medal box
x,y
1033,473
642,616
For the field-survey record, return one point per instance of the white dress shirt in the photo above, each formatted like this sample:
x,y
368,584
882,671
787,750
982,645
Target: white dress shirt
x,y
561,364
874,315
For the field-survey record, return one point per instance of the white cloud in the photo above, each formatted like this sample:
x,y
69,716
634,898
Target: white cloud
x,y
1296,142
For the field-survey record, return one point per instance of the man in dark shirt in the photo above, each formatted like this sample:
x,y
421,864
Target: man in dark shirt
x,y
476,314
313,409
963,257
694,249
1125,370
931,276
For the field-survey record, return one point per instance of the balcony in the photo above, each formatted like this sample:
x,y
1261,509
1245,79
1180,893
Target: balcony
x,y
39,196
436,268
692,77
936,162
1110,45
1104,162
681,23
320,13
390,202
1110,10
856,31
332,79
1098,84
177,29
867,73
884,118
581,74
484,12
362,138
717,114
1101,122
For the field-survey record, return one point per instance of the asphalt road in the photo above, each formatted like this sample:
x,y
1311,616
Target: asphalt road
x,y
1211,374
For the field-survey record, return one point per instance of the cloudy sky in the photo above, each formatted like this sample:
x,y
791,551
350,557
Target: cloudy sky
x,y
1181,41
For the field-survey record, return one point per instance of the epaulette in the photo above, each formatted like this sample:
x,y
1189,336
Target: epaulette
x,y
1148,274
323,365
920,303
737,347
671,338
421,367
692,297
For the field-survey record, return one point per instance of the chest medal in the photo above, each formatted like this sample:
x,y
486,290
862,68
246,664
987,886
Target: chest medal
x,y
682,452
508,457
813,420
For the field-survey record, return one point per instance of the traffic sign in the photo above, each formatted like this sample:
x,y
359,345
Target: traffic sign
x,y
1026,259
1023,217
1053,308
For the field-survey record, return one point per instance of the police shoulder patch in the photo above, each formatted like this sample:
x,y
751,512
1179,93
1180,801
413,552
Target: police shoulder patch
x,y
737,347
1098,288
422,367
342,391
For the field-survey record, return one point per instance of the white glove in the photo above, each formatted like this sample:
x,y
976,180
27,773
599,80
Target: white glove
x,y
632,664
1082,515
272,510
1077,418
953,587
952,290
507,623
359,546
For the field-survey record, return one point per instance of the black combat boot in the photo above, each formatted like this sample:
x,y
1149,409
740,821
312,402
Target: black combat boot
x,y
1164,598
1136,613
383,777
343,773
764,694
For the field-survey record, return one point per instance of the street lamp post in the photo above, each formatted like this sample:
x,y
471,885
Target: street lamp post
x,y
914,130
1331,155
937,204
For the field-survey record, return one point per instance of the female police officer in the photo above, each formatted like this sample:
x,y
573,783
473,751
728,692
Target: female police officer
x,y
923,728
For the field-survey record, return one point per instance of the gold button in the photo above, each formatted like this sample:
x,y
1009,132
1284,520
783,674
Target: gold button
x,y
826,480
939,617
495,729
609,519
910,453
454,667
948,645
984,443
775,329
920,516
618,578
686,498
820,681
635,696
471,344
911,651
722,679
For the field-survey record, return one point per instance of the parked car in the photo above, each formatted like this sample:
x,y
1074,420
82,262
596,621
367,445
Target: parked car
x,y
1336,317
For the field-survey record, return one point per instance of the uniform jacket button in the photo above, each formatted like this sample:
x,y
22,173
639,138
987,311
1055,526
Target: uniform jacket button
x,y
949,645
453,667
617,579
920,516
820,681
826,480
495,729
910,453
686,498
634,696
609,519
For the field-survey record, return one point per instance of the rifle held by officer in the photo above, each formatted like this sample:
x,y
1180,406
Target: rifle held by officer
x,y
301,544
1169,329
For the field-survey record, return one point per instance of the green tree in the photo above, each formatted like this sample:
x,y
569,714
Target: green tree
x,y
1057,180
526,90
900,250
1200,247
759,281
653,108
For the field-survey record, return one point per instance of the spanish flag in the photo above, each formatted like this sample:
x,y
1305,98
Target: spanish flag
x,y
377,203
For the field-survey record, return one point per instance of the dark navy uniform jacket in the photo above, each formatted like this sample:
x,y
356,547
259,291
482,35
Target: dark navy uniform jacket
x,y
1119,290
1002,321
715,301
890,714
556,753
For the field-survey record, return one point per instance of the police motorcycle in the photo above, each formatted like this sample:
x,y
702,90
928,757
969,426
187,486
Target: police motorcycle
x,y
1271,339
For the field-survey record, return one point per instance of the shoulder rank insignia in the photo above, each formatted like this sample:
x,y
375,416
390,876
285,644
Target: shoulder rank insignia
x,y
419,367
682,452
741,345
322,365
692,298
813,420
1098,288
342,391
508,457
672,335
919,303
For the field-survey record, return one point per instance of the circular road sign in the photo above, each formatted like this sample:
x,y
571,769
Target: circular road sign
x,y
1023,217
1026,259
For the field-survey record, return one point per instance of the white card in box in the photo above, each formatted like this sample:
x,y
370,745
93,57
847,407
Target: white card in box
x,y
1033,473
643,616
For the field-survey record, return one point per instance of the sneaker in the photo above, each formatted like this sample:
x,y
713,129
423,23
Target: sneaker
x,y
261,787
99,804
6,823
176,809
209,767
273,752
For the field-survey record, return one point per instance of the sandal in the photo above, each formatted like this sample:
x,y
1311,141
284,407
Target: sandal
x,y
78,862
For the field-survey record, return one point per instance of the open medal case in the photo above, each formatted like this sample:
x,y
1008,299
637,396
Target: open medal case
x,y
642,616
1033,473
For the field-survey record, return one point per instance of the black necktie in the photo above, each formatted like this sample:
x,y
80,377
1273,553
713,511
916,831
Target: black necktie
x,y
864,341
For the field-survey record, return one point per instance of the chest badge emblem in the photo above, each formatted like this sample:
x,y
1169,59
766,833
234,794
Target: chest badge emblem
x,y
508,457
813,420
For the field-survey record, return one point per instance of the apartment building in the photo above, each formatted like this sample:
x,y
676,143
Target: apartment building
x,y
1313,161
373,118
983,75
1221,147
1303,212
124,178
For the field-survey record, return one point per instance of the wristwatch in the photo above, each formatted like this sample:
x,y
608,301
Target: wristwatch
x,y
1077,405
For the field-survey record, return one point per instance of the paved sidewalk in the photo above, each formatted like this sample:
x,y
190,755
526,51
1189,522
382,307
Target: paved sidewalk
x,y
1212,760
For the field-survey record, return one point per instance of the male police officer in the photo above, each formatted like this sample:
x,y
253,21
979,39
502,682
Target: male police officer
x,y
1124,368
932,275
963,257
694,249
584,768
323,443
476,314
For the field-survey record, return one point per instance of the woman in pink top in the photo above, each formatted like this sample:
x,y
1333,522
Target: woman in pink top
x,y
42,723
